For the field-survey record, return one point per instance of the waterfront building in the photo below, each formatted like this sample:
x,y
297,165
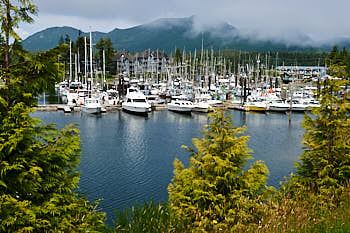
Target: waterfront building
x,y
139,63
289,73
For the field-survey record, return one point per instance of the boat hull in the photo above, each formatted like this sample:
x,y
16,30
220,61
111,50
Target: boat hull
x,y
255,109
135,113
197,109
143,111
91,110
278,109
298,109
178,109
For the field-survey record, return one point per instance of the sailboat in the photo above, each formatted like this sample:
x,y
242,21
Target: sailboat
x,y
91,104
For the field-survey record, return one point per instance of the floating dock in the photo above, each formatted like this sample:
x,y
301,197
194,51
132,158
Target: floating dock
x,y
67,109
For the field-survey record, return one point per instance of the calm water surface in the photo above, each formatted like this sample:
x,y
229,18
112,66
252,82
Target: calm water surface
x,y
128,159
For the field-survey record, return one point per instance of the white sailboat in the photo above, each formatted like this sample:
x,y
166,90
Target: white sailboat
x,y
91,104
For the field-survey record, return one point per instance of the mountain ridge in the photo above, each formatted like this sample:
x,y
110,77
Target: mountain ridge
x,y
167,34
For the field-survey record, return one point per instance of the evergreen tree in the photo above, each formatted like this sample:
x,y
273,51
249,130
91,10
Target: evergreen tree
x,y
107,46
178,57
67,39
326,159
12,13
332,57
214,191
37,162
61,40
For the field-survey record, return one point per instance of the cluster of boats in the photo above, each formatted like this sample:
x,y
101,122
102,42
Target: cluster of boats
x,y
140,102
182,91
76,94
271,101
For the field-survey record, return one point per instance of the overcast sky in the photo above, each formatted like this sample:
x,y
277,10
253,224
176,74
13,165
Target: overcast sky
x,y
322,20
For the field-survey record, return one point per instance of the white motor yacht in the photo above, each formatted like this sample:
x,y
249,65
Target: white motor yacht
x,y
135,102
297,105
277,105
154,100
201,105
255,105
180,105
91,105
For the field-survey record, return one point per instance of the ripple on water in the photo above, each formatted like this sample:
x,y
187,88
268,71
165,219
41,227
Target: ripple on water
x,y
128,159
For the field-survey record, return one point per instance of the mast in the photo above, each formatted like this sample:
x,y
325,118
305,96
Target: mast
x,y
104,68
70,61
75,68
78,63
85,60
91,70
194,65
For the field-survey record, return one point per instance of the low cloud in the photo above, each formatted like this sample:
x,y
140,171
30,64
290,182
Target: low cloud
x,y
291,21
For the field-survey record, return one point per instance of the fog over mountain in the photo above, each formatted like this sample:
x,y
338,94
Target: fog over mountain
x,y
188,32
293,22
168,33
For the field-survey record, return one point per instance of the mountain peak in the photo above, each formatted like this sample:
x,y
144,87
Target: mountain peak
x,y
165,34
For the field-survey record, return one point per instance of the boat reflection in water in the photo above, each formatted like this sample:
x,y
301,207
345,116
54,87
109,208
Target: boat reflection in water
x,y
127,159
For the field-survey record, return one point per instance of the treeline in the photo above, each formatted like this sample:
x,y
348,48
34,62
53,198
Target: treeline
x,y
78,50
274,59
339,62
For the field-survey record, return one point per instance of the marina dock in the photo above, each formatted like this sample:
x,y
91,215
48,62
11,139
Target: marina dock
x,y
64,107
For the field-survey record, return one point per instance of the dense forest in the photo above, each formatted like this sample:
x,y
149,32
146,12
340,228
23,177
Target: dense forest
x,y
274,59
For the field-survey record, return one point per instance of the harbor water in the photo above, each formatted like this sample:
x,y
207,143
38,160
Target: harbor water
x,y
128,159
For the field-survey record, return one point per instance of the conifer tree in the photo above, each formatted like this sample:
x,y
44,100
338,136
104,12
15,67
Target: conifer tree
x,y
107,46
37,163
61,40
325,161
214,191
177,56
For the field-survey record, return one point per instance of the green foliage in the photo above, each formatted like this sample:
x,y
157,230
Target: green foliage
x,y
149,217
337,70
305,212
177,56
37,174
338,62
326,158
107,46
215,192
67,39
60,213
13,12
38,177
61,40
30,75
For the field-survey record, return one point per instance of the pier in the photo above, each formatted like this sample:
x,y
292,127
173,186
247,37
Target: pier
x,y
107,108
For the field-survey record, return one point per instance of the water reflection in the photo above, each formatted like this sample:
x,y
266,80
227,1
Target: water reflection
x,y
50,97
128,159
